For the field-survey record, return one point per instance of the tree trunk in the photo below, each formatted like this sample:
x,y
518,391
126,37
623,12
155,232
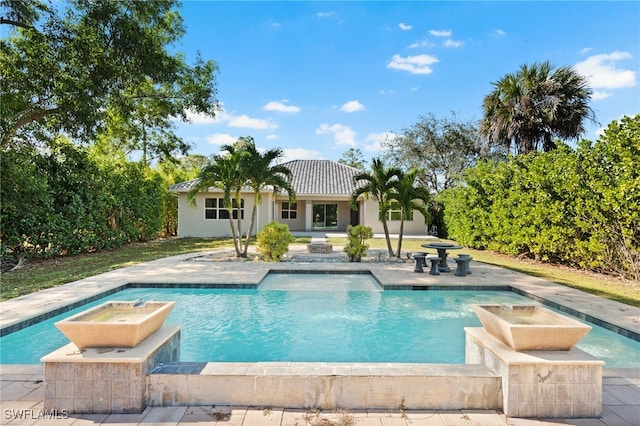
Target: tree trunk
x,y
251,225
238,240
386,236
234,234
400,236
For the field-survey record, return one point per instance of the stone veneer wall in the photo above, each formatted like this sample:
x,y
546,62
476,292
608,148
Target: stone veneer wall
x,y
106,381
319,248
542,384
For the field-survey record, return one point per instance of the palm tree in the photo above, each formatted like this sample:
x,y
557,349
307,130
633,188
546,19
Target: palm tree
x,y
378,183
530,108
225,172
409,198
261,173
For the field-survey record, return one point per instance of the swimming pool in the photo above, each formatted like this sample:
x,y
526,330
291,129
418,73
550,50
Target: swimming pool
x,y
282,321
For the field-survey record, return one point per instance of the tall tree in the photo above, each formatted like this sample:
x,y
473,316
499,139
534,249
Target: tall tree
x,y
409,198
529,108
377,183
262,173
353,158
71,67
441,147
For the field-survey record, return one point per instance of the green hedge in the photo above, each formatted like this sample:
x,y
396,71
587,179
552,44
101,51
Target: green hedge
x,y
62,201
579,207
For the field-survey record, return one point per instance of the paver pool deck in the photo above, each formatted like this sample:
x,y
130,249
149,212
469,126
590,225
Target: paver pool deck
x,y
22,385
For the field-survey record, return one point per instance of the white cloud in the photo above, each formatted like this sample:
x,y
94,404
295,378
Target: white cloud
x,y
421,44
290,154
585,50
418,64
325,14
375,141
280,107
352,106
440,33
601,71
598,95
500,33
221,139
453,43
199,118
272,137
251,123
415,88
404,27
342,135
387,92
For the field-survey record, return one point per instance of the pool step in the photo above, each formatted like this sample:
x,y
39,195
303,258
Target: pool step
x,y
327,385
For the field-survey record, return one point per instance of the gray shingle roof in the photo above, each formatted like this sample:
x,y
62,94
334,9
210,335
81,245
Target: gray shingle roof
x,y
183,186
309,177
321,177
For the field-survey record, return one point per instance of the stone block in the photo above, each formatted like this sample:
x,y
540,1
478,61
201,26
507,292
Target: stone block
x,y
543,384
99,381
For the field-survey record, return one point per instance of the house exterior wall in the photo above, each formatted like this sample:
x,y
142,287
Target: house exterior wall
x,y
192,222
369,217
296,224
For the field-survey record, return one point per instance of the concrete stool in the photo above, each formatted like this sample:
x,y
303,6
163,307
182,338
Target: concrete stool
x,y
422,253
460,267
467,269
419,262
435,261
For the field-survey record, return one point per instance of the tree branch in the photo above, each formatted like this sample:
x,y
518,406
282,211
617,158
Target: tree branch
x,y
14,23
35,115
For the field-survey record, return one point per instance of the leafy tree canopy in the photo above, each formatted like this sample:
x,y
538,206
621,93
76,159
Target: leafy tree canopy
x,y
440,146
82,67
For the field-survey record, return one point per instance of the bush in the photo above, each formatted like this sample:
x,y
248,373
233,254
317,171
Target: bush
x,y
579,207
355,247
273,241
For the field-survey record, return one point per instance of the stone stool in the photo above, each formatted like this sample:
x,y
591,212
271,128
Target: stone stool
x,y
435,261
467,270
419,262
422,253
460,269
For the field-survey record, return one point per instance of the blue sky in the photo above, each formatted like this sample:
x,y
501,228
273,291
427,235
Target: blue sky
x,y
319,78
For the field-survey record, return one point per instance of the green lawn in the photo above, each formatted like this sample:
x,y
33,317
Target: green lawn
x,y
41,274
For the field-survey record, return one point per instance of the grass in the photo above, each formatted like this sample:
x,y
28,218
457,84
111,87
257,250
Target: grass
x,y
42,274
46,273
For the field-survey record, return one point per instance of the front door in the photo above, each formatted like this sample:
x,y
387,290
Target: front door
x,y
325,216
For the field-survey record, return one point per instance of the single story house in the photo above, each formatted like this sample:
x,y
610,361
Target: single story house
x,y
323,189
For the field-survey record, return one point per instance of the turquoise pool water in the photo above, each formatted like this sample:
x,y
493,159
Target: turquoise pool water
x,y
331,322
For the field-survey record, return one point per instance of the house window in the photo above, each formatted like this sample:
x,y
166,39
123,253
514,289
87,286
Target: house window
x,y
214,209
289,210
395,213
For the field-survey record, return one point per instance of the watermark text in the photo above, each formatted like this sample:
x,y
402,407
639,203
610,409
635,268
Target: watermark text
x,y
35,414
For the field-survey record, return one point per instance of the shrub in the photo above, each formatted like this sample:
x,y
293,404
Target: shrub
x,y
273,241
355,247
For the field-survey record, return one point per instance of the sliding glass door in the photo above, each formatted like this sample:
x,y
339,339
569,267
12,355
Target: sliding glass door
x,y
325,216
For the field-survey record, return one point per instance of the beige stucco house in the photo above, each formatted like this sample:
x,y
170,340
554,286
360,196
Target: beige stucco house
x,y
323,189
